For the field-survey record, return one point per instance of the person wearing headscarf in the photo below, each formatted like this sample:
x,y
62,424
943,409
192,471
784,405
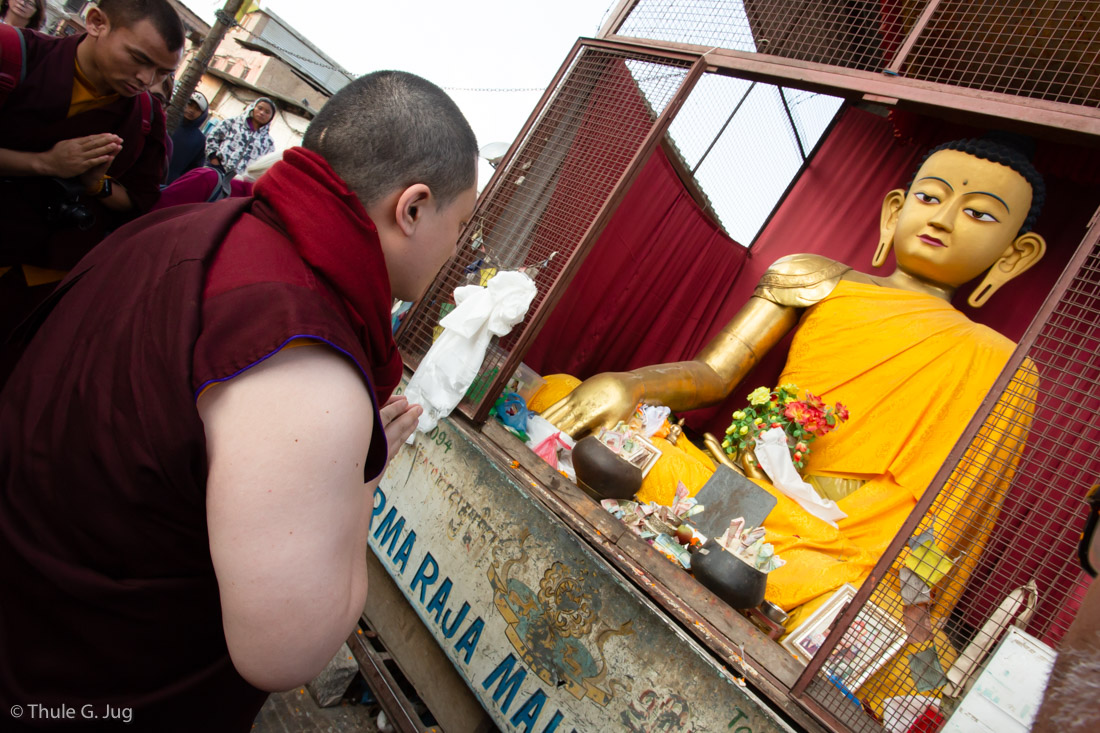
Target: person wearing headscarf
x,y
236,142
29,14
188,141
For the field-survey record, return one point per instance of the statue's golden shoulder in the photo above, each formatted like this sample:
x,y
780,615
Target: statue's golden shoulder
x,y
800,280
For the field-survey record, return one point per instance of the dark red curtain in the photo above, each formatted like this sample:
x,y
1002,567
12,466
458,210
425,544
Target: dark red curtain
x,y
651,288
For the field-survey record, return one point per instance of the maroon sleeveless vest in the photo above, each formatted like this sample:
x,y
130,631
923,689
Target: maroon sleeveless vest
x,y
109,594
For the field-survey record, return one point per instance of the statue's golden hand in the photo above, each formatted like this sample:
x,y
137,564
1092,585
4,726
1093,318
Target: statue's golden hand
x,y
600,401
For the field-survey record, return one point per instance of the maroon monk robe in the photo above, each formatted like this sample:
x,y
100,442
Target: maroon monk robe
x,y
109,594
34,118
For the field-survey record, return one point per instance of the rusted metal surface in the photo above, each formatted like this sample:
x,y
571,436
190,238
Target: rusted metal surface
x,y
394,702
418,659
616,17
914,34
975,106
1038,49
543,630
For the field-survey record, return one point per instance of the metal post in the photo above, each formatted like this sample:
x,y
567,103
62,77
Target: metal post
x,y
193,73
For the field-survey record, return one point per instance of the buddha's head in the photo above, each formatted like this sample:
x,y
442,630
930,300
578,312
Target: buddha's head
x,y
969,211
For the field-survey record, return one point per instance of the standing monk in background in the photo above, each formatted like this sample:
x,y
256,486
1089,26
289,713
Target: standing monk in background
x,y
188,463
82,142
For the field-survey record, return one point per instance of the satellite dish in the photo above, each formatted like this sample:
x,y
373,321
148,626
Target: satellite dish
x,y
493,152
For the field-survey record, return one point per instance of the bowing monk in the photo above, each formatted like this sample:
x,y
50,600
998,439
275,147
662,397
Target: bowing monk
x,y
188,462
910,367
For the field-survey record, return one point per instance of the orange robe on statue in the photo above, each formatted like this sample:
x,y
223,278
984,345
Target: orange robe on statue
x,y
912,370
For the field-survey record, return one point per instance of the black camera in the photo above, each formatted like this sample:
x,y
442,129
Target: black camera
x,y
63,206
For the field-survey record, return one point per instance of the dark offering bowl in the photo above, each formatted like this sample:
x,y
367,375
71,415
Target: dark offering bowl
x,y
602,473
734,581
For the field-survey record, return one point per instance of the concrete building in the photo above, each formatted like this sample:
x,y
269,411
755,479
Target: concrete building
x,y
267,57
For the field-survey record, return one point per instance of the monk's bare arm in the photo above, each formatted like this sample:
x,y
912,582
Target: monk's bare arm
x,y
287,510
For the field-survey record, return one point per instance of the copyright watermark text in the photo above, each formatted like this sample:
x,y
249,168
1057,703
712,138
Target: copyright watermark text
x,y
38,711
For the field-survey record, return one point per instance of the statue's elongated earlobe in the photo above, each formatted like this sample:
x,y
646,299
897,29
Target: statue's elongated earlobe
x,y
891,206
1021,256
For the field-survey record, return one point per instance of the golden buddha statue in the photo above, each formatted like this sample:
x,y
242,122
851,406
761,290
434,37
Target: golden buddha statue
x,y
910,367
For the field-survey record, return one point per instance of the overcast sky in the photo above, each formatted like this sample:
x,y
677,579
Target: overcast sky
x,y
497,44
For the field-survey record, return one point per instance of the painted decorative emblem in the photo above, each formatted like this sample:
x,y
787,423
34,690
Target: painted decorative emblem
x,y
555,629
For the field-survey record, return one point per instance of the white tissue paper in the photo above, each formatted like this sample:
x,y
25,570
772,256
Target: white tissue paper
x,y
453,361
653,417
775,458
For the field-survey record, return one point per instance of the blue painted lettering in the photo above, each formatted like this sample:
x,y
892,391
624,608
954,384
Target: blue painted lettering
x,y
554,722
439,600
402,556
449,632
379,505
508,684
469,639
389,531
529,712
422,578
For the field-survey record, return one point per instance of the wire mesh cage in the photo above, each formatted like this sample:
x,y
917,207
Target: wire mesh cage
x,y
737,145
1044,49
546,197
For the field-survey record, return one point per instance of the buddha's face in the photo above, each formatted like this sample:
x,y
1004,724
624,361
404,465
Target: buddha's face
x,y
960,215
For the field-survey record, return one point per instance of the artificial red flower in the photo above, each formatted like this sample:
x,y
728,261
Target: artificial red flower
x,y
798,411
841,412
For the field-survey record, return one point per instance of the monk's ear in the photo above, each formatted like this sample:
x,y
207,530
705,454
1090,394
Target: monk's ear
x,y
891,207
96,22
410,207
1021,256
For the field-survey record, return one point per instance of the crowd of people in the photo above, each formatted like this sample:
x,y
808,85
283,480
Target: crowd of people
x,y
197,399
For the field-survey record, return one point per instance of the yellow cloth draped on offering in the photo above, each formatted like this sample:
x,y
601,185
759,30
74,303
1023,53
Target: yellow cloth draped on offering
x,y
912,371
680,463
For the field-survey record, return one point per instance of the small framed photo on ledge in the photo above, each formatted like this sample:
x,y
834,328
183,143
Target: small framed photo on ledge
x,y
872,640
869,643
804,641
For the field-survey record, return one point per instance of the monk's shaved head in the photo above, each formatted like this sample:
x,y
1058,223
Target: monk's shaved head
x,y
390,130
125,13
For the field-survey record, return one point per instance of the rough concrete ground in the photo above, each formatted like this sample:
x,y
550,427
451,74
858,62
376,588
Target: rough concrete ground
x,y
296,712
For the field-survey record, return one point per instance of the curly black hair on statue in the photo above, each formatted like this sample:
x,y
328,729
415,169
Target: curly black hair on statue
x,y
1008,149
